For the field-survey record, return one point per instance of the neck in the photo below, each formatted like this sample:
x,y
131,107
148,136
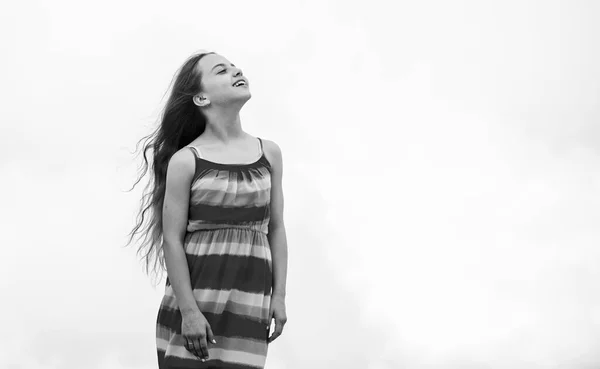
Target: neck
x,y
223,125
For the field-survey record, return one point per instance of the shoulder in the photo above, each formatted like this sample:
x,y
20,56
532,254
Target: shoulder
x,y
272,151
182,163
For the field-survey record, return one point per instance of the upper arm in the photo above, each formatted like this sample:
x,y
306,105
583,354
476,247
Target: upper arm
x,y
180,172
276,161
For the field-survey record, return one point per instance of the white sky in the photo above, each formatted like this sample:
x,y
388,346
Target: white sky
x,y
441,176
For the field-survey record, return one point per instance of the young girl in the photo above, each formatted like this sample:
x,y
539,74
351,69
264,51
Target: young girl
x,y
216,222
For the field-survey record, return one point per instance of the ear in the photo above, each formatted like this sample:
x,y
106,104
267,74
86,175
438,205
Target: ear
x,y
201,101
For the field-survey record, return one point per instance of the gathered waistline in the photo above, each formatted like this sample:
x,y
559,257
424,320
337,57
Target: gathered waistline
x,y
213,227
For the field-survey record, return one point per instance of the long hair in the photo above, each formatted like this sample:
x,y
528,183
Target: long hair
x,y
180,123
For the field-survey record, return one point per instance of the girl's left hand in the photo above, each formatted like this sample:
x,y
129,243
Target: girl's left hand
x,y
277,312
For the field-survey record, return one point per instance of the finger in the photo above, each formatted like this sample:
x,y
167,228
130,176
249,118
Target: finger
x,y
273,336
189,345
280,322
209,335
278,329
204,347
197,350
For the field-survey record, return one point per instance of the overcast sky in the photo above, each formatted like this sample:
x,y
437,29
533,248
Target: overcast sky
x,y
440,176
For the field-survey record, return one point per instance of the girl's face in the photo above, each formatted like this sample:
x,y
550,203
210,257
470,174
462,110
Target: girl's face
x,y
218,79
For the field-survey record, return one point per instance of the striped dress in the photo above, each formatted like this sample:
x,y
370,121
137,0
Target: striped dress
x,y
230,265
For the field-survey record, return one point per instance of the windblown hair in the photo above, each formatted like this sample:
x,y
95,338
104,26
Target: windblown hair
x,y
180,123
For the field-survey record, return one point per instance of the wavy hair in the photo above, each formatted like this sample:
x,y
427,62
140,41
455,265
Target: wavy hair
x,y
180,123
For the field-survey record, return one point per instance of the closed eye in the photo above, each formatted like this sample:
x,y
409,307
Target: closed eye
x,y
221,71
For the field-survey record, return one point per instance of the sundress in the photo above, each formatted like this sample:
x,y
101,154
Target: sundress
x,y
229,260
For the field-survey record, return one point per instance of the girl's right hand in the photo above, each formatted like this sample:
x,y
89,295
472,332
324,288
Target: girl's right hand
x,y
196,332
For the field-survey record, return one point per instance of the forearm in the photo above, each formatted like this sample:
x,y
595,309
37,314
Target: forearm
x,y
278,244
179,277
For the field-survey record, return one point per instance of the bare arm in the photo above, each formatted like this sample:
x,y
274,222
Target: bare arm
x,y
277,236
175,216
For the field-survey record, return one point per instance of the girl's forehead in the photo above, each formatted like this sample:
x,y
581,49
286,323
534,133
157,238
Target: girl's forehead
x,y
208,62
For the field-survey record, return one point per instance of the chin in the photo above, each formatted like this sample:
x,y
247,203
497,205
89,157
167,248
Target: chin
x,y
243,97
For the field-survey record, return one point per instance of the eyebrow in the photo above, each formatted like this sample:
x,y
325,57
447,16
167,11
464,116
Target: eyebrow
x,y
220,65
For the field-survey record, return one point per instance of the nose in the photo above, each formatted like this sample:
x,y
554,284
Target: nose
x,y
238,73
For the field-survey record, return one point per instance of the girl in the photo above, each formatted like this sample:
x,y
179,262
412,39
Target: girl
x,y
216,222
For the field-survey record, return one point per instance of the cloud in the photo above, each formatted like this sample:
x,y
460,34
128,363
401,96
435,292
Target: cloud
x,y
441,183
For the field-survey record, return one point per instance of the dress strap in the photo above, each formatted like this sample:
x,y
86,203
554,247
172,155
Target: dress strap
x,y
261,145
195,151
